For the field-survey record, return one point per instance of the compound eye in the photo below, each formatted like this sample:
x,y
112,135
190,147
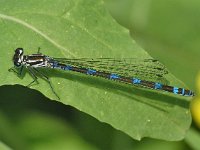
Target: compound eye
x,y
19,51
18,56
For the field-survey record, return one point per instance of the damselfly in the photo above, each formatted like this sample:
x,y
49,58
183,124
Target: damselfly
x,y
147,73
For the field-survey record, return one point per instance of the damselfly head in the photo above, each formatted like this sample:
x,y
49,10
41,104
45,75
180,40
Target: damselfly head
x,y
18,56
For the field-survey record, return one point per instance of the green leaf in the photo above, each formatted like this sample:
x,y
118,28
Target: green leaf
x,y
4,147
84,28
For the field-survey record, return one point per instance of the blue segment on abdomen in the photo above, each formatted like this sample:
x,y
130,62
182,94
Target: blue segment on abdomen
x,y
136,81
183,91
114,76
158,86
91,71
175,90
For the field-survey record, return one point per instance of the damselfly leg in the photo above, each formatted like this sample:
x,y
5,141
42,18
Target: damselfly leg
x,y
44,77
15,70
33,72
38,52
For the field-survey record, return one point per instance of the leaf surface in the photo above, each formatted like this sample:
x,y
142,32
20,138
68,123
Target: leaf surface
x,y
84,28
